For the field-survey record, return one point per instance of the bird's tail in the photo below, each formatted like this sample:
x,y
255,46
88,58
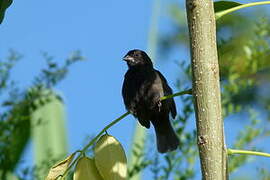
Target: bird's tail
x,y
167,140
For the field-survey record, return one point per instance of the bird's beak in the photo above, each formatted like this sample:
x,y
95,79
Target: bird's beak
x,y
128,58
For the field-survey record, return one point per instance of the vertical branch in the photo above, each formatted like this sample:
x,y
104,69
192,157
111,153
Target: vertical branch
x,y
206,88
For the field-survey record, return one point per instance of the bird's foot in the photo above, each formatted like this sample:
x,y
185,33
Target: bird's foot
x,y
159,105
133,112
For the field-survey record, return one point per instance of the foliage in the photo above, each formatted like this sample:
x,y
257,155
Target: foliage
x,y
243,141
18,104
141,161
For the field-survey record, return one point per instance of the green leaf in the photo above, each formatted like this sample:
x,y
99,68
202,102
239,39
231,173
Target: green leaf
x,y
224,5
15,133
4,4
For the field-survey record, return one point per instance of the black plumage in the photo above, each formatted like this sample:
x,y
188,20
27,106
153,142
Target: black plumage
x,y
142,89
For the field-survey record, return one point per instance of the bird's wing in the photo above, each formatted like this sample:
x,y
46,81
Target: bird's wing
x,y
124,92
168,91
131,88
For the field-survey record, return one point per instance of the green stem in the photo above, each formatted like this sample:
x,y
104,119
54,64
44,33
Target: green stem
x,y
220,14
237,151
110,125
176,94
104,129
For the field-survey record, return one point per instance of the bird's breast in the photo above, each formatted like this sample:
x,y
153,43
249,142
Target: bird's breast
x,y
143,87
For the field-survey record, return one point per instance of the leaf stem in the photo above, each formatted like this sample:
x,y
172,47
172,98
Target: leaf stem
x,y
103,130
110,125
255,153
176,94
222,13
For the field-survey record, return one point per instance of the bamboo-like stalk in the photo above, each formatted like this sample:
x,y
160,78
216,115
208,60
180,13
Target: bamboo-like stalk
x,y
206,89
49,136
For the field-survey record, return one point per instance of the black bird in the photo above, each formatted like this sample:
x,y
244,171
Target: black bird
x,y
142,89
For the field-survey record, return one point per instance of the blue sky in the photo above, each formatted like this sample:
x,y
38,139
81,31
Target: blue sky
x,y
103,31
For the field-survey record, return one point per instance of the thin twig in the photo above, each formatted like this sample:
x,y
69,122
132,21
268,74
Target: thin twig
x,y
239,151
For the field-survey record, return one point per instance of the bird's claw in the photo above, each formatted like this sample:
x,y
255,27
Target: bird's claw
x,y
159,105
133,112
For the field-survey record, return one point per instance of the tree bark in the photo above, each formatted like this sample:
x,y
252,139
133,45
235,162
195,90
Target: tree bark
x,y
206,89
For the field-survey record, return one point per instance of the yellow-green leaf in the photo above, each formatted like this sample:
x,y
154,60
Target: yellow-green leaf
x,y
110,158
86,170
58,169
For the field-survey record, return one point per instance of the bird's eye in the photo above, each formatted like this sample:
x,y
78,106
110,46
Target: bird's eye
x,y
136,55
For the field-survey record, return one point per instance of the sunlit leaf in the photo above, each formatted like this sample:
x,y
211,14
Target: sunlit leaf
x,y
86,170
58,169
110,158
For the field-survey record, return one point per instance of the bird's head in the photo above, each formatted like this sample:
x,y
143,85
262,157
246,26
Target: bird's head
x,y
137,58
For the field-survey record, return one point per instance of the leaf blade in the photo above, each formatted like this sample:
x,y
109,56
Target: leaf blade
x,y
4,4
